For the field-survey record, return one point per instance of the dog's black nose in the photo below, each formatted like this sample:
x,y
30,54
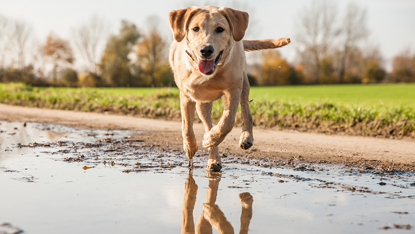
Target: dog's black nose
x,y
207,51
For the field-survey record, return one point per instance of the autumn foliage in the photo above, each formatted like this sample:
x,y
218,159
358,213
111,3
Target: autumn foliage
x,y
58,52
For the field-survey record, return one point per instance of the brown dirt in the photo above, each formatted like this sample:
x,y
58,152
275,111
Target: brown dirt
x,y
293,147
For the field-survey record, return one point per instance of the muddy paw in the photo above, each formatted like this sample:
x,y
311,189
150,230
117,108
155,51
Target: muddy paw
x,y
246,140
215,167
189,149
246,200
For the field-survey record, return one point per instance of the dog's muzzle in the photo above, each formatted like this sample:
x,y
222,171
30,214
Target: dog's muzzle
x,y
208,67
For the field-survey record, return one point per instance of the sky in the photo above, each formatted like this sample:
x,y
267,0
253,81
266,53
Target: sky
x,y
391,22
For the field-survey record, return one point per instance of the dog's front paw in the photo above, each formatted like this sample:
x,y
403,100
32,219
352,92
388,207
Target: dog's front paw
x,y
246,140
190,149
246,200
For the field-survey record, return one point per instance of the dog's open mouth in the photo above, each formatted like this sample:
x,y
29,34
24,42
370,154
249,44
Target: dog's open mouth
x,y
208,66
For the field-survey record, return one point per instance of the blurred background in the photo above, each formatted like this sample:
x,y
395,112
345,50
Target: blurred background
x,y
103,43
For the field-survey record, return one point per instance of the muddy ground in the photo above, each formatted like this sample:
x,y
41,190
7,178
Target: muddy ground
x,y
285,147
59,179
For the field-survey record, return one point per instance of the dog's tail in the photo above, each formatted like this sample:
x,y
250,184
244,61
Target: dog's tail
x,y
250,45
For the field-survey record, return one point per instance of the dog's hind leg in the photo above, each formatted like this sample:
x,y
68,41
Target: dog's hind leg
x,y
247,138
204,110
188,114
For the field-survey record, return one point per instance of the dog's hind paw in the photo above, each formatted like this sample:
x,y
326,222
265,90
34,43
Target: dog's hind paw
x,y
246,140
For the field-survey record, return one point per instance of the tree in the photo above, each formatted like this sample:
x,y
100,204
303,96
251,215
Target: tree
x,y
58,52
115,63
20,35
403,68
274,70
151,53
4,38
88,38
317,31
373,72
69,77
373,69
355,65
353,30
89,79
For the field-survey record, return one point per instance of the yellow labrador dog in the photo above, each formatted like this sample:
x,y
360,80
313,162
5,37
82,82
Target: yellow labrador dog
x,y
208,60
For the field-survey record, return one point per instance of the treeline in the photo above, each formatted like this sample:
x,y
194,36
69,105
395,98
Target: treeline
x,y
130,58
332,48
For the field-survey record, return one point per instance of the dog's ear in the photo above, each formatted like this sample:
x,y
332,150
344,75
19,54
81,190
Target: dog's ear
x,y
238,20
179,20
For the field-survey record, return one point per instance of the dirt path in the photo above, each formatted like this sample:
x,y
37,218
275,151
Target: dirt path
x,y
290,146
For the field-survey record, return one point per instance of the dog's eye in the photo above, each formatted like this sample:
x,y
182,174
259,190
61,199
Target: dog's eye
x,y
219,30
196,29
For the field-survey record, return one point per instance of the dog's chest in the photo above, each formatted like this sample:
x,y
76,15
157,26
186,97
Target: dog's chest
x,y
202,94
202,89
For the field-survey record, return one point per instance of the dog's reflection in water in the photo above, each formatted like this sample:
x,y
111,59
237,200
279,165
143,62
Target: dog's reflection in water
x,y
212,216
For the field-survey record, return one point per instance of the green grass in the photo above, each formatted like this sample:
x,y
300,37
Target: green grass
x,y
129,91
347,95
368,110
363,95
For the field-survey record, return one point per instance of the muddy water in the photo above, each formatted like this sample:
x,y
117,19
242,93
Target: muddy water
x,y
56,179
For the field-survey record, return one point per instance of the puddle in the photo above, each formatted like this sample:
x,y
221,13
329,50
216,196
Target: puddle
x,y
57,179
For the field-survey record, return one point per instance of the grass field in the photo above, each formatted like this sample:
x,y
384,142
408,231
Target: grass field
x,y
368,110
364,95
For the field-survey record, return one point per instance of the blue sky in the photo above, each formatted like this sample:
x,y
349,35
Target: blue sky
x,y
391,22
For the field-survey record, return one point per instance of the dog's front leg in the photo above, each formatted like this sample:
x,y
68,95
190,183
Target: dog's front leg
x,y
218,133
190,192
188,113
204,110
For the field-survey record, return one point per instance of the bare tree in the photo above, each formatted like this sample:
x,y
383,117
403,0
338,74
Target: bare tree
x,y
4,39
20,36
354,29
316,31
88,38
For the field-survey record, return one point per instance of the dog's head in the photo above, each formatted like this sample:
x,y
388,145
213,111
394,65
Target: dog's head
x,y
209,33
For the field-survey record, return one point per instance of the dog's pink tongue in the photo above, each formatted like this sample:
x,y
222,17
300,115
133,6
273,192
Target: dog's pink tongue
x,y
206,66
